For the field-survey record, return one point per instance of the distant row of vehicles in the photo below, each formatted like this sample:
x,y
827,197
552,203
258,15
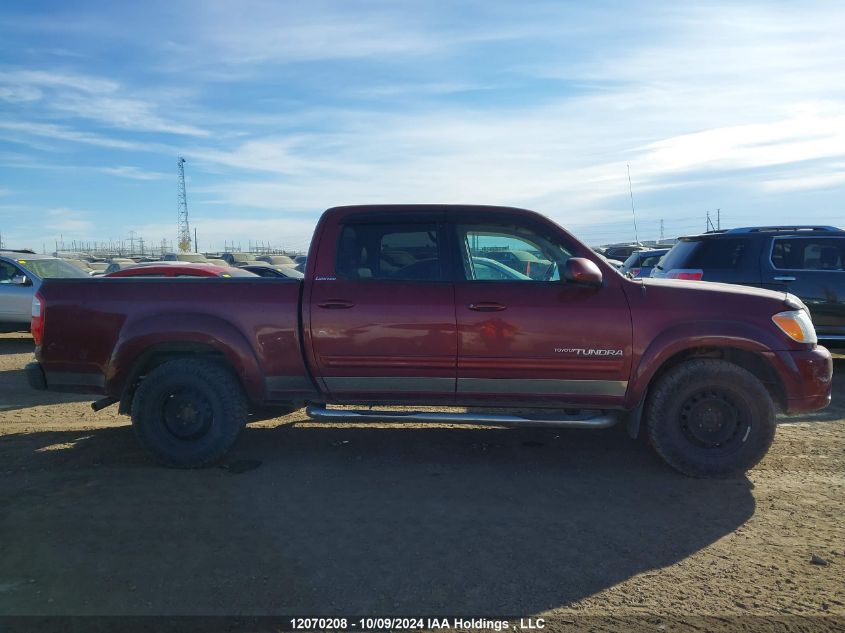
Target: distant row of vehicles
x,y
23,271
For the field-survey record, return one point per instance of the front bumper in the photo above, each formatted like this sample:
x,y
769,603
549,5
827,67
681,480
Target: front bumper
x,y
807,377
35,376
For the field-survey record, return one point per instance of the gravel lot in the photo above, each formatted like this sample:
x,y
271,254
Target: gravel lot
x,y
413,521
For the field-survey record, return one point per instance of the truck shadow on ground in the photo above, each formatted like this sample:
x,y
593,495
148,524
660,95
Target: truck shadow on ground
x,y
16,344
15,393
374,521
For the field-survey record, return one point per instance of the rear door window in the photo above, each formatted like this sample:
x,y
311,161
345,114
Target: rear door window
x,y
409,252
802,253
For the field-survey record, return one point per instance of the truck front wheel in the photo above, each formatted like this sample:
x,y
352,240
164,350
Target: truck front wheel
x,y
710,418
188,412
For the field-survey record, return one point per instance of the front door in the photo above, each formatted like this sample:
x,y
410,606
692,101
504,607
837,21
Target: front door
x,y
383,322
524,336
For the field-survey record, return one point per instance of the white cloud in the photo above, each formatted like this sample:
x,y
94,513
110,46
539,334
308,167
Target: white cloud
x,y
68,222
127,114
50,79
133,173
19,94
21,130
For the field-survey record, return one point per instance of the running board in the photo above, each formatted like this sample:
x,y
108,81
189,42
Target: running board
x,y
321,414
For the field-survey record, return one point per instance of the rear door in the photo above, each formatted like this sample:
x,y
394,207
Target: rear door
x,y
535,341
813,269
382,314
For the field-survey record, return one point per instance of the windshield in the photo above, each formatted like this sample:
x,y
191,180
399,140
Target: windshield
x,y
52,268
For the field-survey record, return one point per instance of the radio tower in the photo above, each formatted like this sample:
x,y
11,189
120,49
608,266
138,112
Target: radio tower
x,y
182,198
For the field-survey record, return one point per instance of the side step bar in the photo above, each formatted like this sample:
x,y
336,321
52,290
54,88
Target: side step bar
x,y
597,421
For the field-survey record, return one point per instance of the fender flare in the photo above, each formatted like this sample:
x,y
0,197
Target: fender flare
x,y
691,335
144,334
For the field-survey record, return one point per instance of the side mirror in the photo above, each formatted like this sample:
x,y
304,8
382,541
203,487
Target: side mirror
x,y
582,271
21,280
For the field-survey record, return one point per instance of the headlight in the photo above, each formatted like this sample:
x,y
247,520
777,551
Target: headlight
x,y
796,324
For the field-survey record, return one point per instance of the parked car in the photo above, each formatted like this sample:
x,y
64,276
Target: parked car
x,y
622,252
81,264
189,360
179,269
194,258
522,261
277,260
268,270
21,275
640,263
485,268
118,264
237,259
807,261
217,261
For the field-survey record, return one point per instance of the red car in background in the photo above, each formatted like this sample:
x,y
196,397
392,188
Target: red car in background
x,y
179,269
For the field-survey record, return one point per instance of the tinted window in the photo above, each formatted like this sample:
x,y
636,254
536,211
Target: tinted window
x,y
707,254
809,253
649,262
7,271
509,253
389,251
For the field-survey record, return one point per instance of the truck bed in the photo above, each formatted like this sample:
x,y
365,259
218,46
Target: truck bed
x,y
96,330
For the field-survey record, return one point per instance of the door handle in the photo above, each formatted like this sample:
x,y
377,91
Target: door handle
x,y
785,278
486,306
336,304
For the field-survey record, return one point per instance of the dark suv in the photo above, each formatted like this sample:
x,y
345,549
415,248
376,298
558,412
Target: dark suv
x,y
807,261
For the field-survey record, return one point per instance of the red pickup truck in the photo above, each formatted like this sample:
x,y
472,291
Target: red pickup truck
x,y
413,306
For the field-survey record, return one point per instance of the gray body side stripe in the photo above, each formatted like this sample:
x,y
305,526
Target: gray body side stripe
x,y
390,383
478,385
543,386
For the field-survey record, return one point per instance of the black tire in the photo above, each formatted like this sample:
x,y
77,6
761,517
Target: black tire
x,y
710,418
188,412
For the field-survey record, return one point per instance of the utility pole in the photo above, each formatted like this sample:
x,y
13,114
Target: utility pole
x,y
661,230
131,242
718,219
196,246
182,202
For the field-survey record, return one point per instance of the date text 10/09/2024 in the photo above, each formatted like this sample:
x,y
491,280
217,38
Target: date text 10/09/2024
x,y
373,624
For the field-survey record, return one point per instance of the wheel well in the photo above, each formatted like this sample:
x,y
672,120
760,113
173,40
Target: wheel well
x,y
750,361
158,355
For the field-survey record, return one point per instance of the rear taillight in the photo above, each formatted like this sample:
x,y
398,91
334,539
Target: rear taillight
x,y
37,323
692,274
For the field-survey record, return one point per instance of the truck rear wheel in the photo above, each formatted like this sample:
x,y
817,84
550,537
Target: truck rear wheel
x,y
188,412
710,418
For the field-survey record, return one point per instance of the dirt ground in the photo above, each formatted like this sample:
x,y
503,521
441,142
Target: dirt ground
x,y
565,525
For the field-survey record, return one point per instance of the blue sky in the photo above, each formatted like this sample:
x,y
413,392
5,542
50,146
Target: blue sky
x,y
283,109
